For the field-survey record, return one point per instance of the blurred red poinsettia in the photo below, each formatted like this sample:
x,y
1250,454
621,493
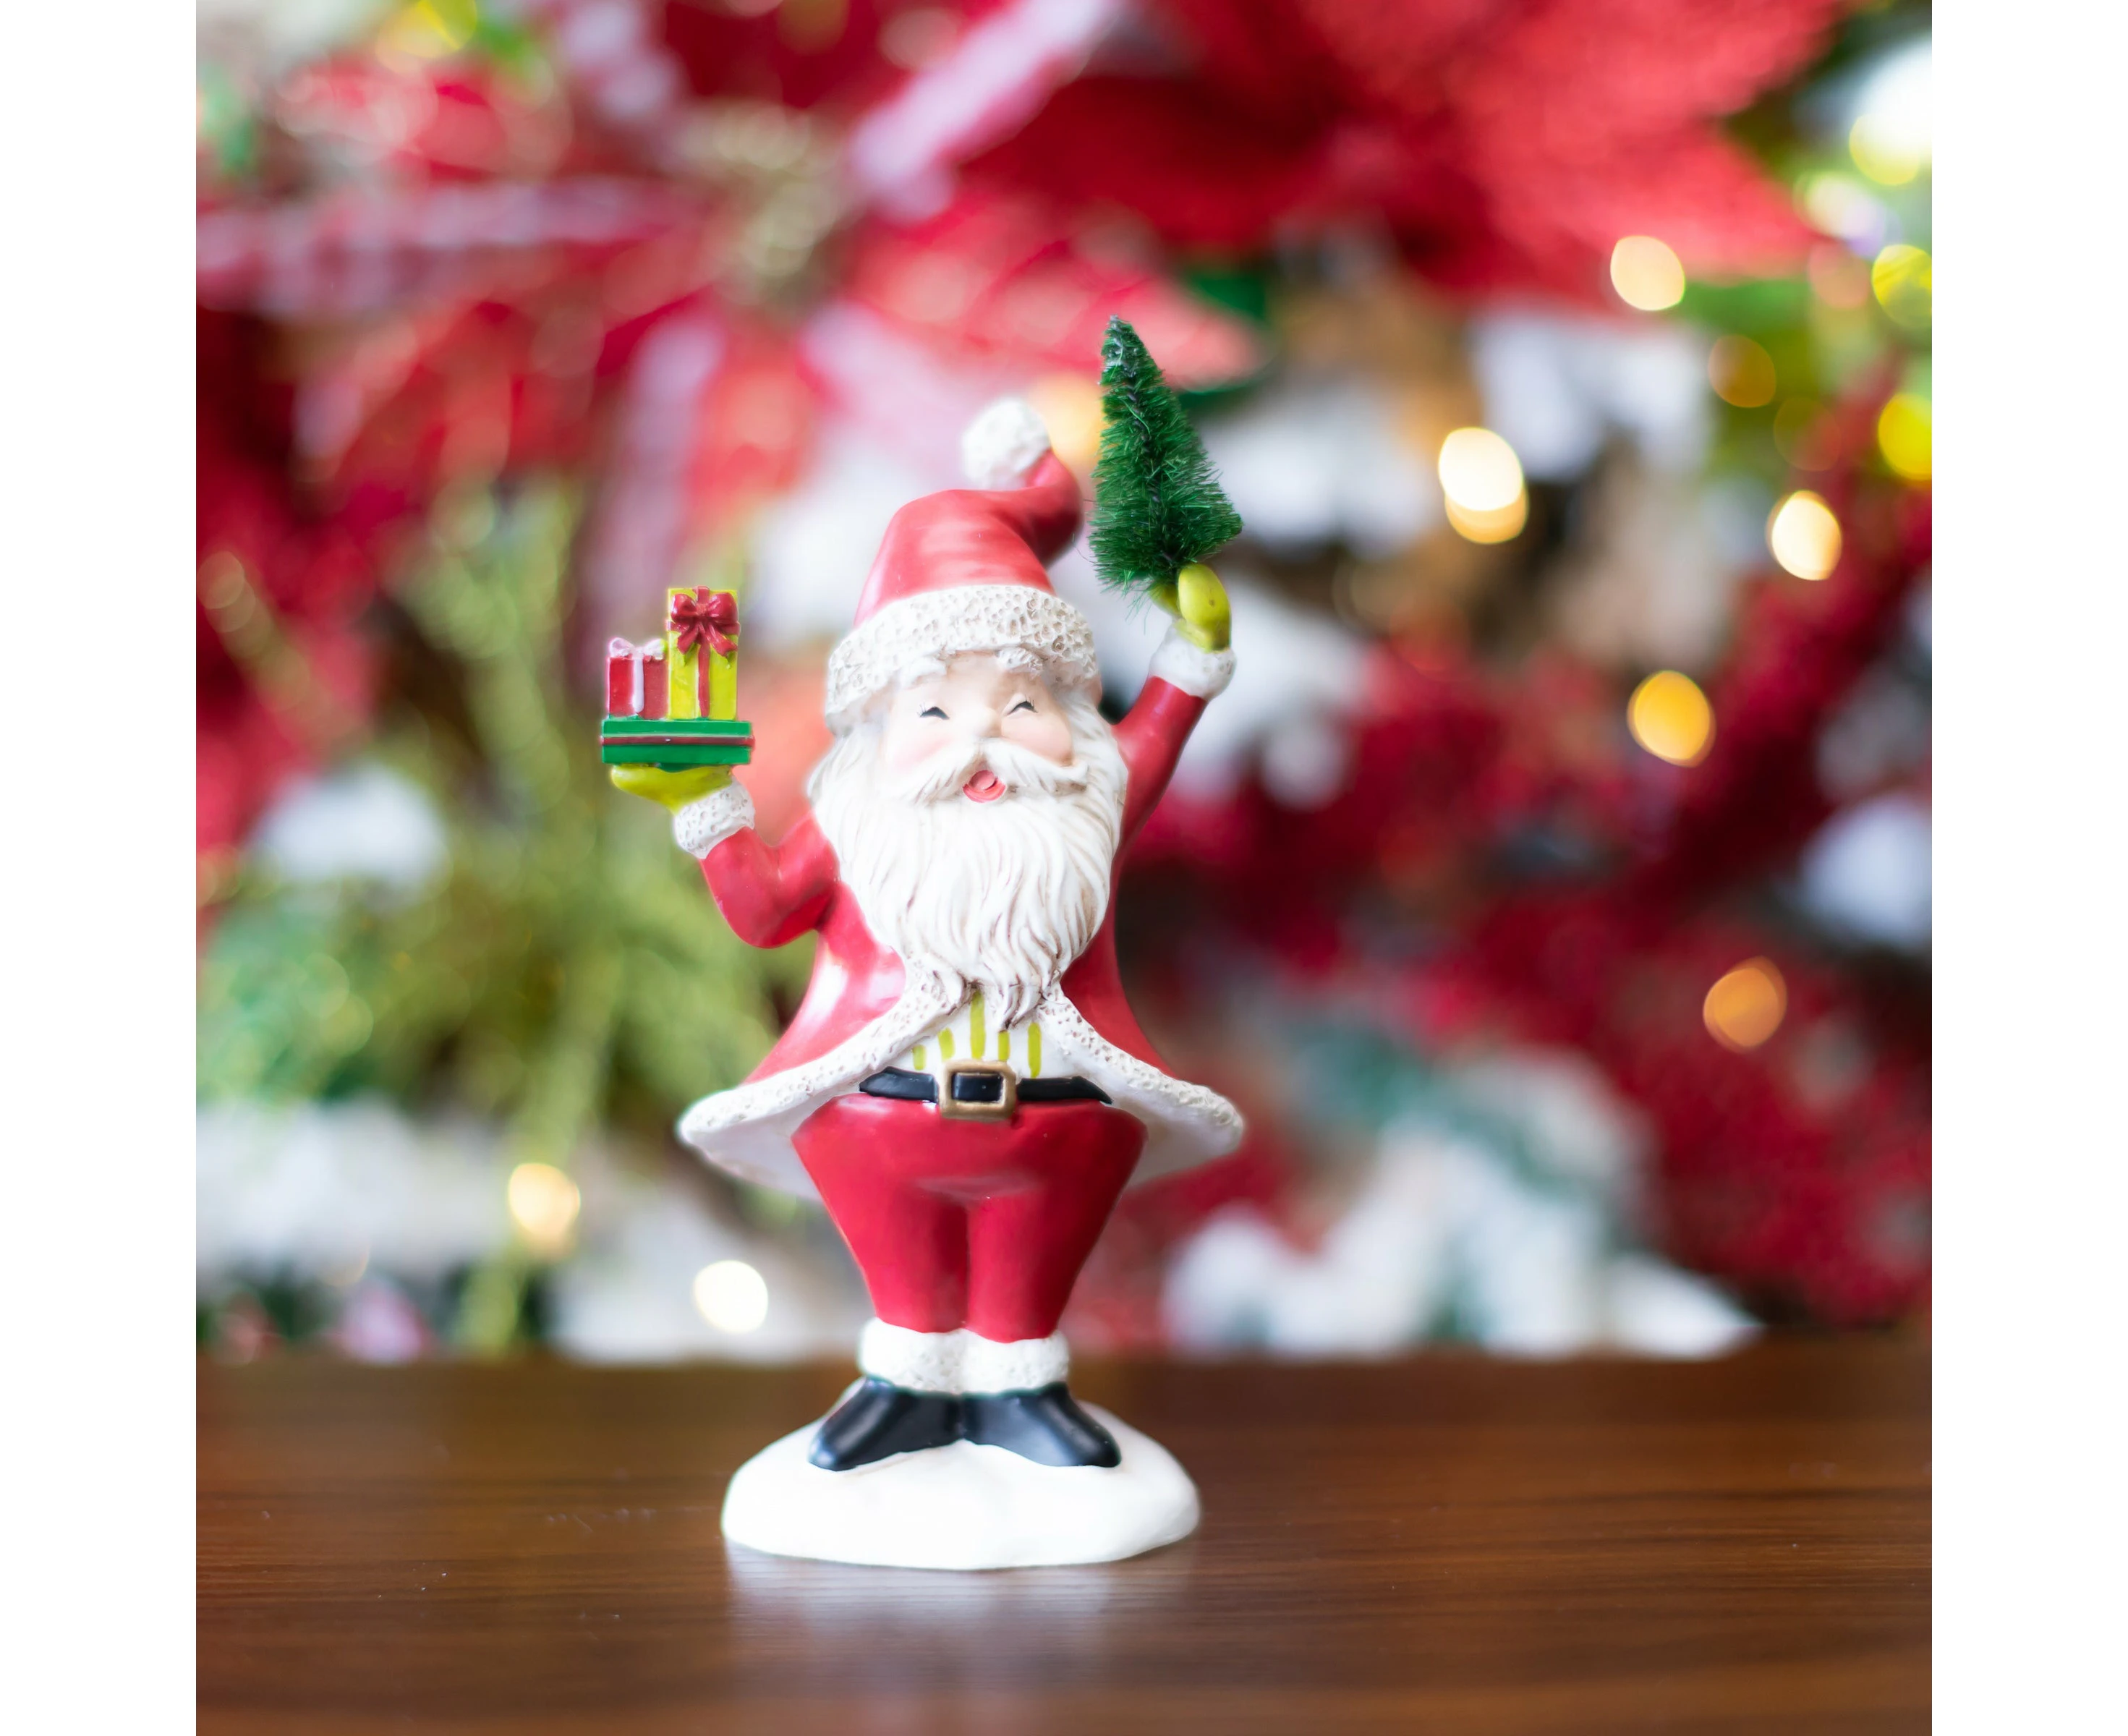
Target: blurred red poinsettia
x,y
1505,144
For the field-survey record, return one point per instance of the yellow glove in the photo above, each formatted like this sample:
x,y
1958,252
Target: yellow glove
x,y
1198,602
671,790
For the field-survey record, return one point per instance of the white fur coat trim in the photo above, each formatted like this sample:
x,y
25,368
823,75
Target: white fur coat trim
x,y
747,1130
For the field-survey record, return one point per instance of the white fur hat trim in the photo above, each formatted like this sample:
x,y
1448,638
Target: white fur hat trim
x,y
942,624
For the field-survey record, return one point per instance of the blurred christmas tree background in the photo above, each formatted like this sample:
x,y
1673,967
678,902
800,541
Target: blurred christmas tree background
x,y
1552,887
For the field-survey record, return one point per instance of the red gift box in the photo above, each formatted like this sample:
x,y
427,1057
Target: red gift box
x,y
630,691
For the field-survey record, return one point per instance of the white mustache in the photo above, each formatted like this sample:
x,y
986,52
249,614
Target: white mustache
x,y
944,774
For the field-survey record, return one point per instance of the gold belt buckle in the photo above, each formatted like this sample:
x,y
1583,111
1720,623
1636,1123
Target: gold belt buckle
x,y
951,1109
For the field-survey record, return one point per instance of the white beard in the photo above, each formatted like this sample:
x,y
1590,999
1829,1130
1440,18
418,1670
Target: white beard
x,y
998,896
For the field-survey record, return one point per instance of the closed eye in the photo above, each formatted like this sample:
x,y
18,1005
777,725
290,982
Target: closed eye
x,y
1025,705
932,712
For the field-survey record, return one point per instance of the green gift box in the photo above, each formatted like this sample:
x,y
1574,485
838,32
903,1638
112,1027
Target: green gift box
x,y
671,744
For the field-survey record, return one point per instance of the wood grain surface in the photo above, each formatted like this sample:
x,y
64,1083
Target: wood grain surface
x,y
1442,1543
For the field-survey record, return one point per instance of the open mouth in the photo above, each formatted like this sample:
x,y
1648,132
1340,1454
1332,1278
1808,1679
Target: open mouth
x,y
986,786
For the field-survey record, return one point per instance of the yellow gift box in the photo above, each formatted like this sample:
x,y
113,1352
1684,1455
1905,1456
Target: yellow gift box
x,y
702,653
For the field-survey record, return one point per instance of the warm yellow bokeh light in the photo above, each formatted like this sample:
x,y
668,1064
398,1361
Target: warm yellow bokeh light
x,y
1479,471
1483,481
1904,278
1803,536
1503,523
1070,406
1670,717
1741,373
544,1202
1884,151
1646,275
1904,436
1747,1005
732,1295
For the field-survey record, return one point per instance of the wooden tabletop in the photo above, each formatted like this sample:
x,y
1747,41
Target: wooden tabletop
x,y
1442,1543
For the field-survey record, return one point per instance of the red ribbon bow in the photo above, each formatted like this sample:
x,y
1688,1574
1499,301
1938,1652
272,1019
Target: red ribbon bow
x,y
705,618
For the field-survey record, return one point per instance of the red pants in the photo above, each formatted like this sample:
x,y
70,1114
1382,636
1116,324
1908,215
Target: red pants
x,y
976,1223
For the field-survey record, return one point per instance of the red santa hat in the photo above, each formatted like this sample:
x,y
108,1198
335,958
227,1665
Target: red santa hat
x,y
964,570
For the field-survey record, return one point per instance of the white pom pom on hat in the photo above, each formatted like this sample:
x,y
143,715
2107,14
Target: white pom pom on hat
x,y
1005,441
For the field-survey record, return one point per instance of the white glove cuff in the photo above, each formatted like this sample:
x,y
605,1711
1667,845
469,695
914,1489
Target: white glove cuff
x,y
701,826
1201,674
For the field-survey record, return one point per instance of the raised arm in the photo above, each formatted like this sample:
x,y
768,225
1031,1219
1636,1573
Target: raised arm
x,y
1184,678
770,894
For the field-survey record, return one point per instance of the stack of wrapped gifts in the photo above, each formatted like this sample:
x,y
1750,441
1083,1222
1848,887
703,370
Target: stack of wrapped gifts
x,y
670,701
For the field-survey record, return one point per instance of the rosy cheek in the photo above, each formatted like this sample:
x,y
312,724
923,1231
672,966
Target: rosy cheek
x,y
1048,736
904,746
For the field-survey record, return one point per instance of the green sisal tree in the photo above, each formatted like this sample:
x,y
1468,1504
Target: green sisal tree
x,y
1158,508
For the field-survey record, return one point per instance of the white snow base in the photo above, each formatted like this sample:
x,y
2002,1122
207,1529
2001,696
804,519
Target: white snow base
x,y
961,1507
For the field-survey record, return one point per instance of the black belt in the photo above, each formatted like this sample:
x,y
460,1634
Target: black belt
x,y
981,1090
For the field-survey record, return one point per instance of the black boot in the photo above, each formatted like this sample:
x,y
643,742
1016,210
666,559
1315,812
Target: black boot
x,y
880,1420
1046,1426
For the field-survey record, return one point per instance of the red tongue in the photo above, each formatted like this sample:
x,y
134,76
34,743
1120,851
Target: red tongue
x,y
986,786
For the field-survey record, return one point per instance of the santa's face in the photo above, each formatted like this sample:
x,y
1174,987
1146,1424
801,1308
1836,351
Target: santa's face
x,y
974,700
975,816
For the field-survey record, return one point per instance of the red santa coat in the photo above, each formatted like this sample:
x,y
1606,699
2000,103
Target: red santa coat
x,y
860,1013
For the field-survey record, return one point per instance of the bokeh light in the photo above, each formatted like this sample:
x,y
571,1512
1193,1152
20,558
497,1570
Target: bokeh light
x,y
1841,206
1482,479
1670,717
1070,406
1741,373
1479,471
543,1204
1646,274
732,1295
1803,536
1904,436
1892,138
1747,1005
1881,153
1902,278
1503,523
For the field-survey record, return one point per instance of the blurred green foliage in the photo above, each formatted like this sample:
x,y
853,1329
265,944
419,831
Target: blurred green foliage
x,y
1830,332
566,969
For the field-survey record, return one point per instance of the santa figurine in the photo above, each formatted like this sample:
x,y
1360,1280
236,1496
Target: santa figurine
x,y
964,1087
